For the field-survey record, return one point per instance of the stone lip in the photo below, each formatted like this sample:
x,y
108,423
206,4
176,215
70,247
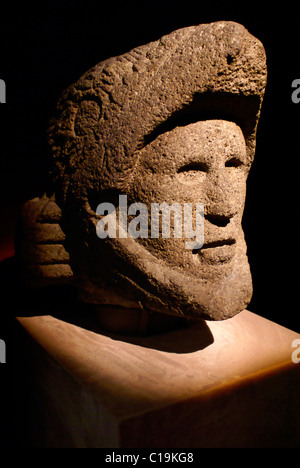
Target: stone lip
x,y
219,251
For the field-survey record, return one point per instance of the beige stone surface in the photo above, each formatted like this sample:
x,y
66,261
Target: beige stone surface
x,y
229,383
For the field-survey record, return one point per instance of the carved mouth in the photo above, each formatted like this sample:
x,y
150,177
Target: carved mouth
x,y
219,243
212,245
217,251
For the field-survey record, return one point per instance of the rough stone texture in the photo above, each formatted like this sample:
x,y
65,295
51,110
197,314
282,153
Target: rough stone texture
x,y
171,121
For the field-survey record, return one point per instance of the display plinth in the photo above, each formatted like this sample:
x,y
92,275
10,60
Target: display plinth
x,y
212,384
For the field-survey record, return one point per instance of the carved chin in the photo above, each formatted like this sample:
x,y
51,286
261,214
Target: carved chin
x,y
156,286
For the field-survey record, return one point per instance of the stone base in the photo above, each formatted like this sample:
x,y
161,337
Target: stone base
x,y
213,384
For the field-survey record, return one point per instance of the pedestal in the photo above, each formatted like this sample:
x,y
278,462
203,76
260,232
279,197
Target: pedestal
x,y
213,384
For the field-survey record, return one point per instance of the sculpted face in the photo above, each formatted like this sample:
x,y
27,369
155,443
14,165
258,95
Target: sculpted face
x,y
204,162
122,130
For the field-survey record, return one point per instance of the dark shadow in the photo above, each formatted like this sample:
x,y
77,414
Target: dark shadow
x,y
195,337
190,337
240,109
182,336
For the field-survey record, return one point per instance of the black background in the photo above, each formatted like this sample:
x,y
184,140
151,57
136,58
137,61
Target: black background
x,y
46,46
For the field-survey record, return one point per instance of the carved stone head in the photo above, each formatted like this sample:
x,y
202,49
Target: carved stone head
x,y
171,122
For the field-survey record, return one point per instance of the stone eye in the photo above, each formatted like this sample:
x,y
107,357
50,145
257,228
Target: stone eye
x,y
193,167
233,162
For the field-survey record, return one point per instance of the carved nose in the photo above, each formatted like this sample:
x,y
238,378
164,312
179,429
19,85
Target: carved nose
x,y
222,200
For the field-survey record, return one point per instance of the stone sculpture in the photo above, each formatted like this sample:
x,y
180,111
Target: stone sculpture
x,y
173,121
